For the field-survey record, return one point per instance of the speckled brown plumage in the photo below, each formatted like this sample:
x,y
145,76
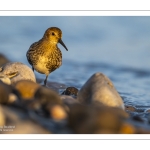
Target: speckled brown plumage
x,y
44,55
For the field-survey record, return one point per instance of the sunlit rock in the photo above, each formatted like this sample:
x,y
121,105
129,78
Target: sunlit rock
x,y
48,103
5,79
26,88
17,71
100,88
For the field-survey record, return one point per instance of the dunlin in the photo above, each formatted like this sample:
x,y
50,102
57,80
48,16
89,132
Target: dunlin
x,y
44,55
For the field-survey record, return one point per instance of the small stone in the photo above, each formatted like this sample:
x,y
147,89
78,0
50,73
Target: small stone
x,y
44,100
17,71
147,111
13,97
58,112
26,88
2,118
100,88
71,91
5,90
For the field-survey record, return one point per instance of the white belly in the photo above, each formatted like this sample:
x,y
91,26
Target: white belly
x,y
41,66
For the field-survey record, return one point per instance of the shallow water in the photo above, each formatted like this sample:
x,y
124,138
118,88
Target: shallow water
x,y
119,47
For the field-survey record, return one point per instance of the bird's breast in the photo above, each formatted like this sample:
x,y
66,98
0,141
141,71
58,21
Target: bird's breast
x,y
48,62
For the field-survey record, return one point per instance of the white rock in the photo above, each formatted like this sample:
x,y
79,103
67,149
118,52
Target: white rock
x,y
16,71
100,88
5,79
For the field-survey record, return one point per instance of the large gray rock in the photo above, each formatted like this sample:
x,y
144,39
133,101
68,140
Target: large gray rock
x,y
99,88
17,71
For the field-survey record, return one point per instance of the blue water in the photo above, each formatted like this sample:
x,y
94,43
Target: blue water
x,y
119,47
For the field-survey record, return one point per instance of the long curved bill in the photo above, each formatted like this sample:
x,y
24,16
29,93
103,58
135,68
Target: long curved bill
x,y
62,43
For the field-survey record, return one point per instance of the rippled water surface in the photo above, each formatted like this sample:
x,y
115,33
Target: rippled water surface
x,y
119,47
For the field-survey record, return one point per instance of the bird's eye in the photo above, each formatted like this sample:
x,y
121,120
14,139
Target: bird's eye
x,y
53,33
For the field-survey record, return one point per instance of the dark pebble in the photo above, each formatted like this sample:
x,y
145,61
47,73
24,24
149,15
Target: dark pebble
x,y
72,91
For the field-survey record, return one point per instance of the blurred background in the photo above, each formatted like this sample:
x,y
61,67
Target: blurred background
x,y
118,46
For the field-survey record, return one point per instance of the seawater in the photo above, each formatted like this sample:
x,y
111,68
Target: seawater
x,y
117,46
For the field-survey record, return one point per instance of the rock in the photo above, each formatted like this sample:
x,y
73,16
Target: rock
x,y
127,128
48,103
99,88
26,88
5,91
147,110
45,95
2,118
68,100
3,60
58,112
5,79
13,97
17,71
96,119
18,122
71,91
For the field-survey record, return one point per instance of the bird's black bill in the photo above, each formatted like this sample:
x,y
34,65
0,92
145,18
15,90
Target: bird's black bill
x,y
62,43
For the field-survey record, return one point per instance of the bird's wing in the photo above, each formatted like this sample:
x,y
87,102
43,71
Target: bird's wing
x,y
31,51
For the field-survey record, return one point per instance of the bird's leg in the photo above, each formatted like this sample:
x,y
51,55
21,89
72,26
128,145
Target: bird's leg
x,y
45,81
32,68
